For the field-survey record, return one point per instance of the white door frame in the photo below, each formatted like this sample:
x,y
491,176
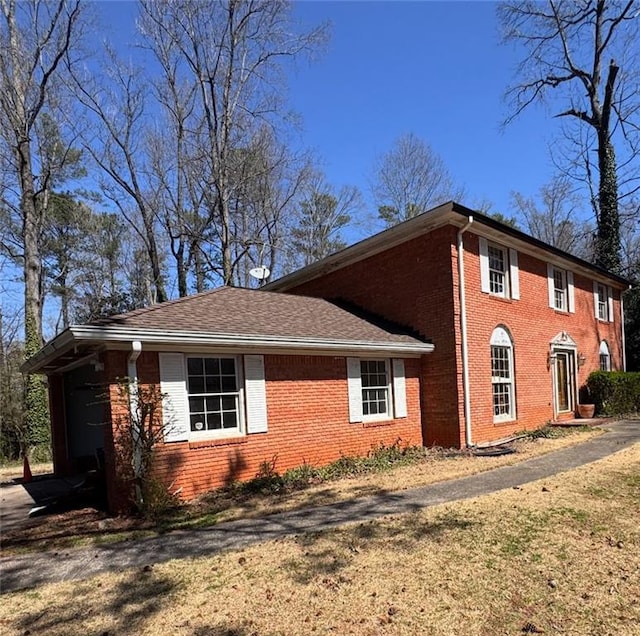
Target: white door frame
x,y
564,344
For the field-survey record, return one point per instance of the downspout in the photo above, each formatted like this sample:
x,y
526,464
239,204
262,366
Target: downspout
x,y
624,344
132,373
463,334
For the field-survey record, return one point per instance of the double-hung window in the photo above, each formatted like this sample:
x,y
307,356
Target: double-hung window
x,y
376,389
374,376
561,289
205,397
214,396
502,376
498,279
499,275
603,300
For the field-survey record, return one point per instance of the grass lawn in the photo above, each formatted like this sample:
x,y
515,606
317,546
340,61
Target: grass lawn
x,y
88,526
557,556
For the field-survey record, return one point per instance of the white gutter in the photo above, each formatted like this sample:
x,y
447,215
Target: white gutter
x,y
463,335
118,334
155,338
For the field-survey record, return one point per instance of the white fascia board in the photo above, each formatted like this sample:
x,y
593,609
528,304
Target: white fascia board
x,y
61,343
157,338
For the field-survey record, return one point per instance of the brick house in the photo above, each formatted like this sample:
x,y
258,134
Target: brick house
x,y
246,377
517,325
450,329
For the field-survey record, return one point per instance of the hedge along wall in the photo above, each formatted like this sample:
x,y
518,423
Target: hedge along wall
x,y
614,392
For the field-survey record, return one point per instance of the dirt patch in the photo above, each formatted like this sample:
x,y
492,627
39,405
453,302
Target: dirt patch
x,y
557,556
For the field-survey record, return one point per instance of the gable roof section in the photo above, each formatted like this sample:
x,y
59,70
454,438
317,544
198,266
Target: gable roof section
x,y
232,318
448,213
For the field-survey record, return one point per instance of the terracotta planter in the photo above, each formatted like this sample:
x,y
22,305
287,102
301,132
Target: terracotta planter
x,y
586,411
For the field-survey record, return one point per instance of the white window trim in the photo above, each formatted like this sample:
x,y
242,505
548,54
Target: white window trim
x,y
501,338
511,272
568,288
240,429
252,405
388,415
396,391
604,351
608,302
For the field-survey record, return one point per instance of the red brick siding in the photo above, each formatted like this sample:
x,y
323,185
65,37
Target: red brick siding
x,y
308,416
412,284
416,284
532,324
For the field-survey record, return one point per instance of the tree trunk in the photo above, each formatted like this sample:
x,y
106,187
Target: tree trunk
x,y
608,236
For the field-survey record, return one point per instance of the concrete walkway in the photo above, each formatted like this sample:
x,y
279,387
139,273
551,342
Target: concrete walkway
x,y
35,569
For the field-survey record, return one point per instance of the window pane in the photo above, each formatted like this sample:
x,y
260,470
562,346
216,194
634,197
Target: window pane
x,y
228,402
229,384
212,366
196,405
227,366
197,422
194,366
196,384
214,421
213,384
229,419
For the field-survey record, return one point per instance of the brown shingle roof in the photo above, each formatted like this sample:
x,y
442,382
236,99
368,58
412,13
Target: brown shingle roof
x,y
236,311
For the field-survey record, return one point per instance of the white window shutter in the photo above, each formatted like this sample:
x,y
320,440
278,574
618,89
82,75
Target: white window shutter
x,y
550,285
175,407
399,389
610,303
354,384
255,394
484,265
571,296
515,274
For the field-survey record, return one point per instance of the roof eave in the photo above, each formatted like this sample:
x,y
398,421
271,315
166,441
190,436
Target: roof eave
x,y
448,213
156,339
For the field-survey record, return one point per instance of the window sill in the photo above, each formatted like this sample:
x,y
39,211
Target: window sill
x,y
378,423
217,441
501,299
501,422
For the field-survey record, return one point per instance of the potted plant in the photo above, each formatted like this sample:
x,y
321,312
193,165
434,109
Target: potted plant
x,y
586,408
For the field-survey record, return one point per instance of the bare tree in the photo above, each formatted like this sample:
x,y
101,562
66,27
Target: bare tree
x,y
410,179
555,217
115,137
585,52
38,41
231,52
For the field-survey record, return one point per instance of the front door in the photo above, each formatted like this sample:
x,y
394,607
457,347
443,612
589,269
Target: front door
x,y
565,381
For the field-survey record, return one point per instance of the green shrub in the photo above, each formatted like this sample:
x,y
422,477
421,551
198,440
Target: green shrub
x,y
614,392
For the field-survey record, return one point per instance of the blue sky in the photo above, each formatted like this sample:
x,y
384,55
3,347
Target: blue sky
x,y
432,68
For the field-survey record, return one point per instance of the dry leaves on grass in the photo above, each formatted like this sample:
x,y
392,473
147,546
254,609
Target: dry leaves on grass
x,y
561,555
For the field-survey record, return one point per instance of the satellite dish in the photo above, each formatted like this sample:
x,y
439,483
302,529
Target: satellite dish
x,y
260,273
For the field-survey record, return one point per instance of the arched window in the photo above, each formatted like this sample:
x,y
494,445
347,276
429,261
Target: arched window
x,y
502,376
605,357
